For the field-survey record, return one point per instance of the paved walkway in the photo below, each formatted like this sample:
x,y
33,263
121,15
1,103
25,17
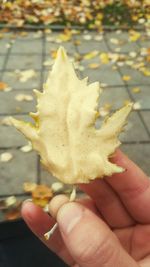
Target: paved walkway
x,y
117,74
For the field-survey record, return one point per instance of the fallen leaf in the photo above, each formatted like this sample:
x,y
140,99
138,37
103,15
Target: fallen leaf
x,y
3,86
104,57
25,75
10,201
23,97
91,54
134,35
6,121
26,148
94,65
29,187
42,192
136,90
114,41
87,37
136,106
57,187
6,156
126,78
13,214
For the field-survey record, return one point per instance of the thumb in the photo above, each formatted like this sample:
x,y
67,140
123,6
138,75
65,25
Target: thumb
x,y
89,240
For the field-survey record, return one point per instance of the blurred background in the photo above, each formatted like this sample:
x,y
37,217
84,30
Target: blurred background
x,y
108,41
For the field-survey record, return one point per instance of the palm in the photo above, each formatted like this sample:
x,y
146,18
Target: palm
x,y
136,241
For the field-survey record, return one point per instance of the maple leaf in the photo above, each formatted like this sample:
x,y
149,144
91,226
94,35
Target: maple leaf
x,y
64,133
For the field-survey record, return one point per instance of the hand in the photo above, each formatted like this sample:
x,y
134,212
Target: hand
x,y
111,229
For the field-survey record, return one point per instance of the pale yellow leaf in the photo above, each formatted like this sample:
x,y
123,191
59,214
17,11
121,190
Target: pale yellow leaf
x,y
64,133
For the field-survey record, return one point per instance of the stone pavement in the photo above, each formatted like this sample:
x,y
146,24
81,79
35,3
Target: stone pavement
x,y
35,51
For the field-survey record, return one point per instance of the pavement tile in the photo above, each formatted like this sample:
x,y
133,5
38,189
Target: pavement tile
x,y
146,118
24,62
2,59
143,97
114,96
20,169
105,74
34,46
11,78
88,46
124,44
137,78
134,130
8,104
9,136
140,154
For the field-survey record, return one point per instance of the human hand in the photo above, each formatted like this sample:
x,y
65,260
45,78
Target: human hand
x,y
112,229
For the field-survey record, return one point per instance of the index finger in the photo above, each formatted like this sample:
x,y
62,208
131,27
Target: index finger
x,y
132,186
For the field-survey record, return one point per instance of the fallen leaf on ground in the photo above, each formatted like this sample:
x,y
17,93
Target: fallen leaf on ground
x,y
91,54
13,214
26,148
126,78
23,97
25,75
5,157
57,187
87,37
134,35
94,65
136,90
6,121
104,57
29,187
136,106
41,195
3,86
10,201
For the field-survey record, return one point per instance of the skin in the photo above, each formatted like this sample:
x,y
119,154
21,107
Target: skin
x,y
109,229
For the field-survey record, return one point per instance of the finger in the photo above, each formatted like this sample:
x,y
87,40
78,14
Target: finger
x,y
39,222
59,200
108,203
89,240
133,188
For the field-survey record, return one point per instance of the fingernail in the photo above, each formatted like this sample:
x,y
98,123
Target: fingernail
x,y
69,216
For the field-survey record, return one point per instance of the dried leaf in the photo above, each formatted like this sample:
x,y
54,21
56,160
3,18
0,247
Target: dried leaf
x,y
126,78
10,201
62,130
5,157
25,75
6,121
136,90
136,106
29,187
13,214
104,57
91,54
3,86
57,187
23,97
94,65
42,192
26,148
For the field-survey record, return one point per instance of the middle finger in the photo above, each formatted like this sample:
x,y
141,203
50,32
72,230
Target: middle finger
x,y
108,203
